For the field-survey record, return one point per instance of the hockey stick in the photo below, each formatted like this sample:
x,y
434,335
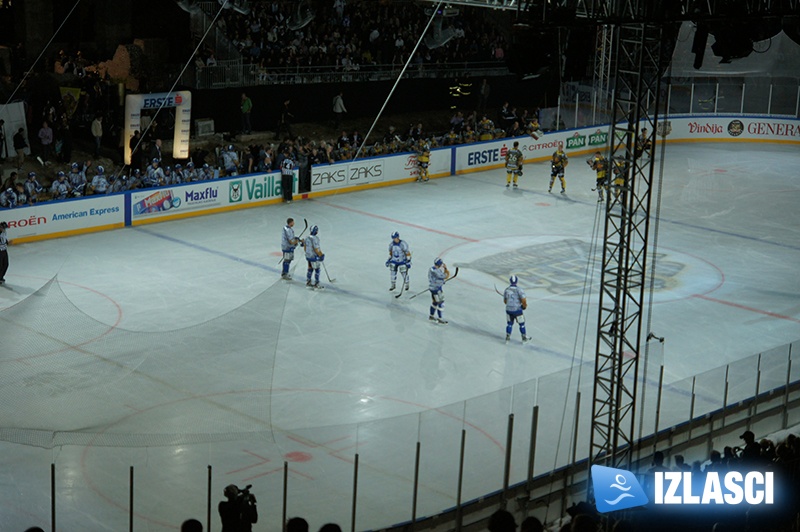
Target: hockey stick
x,y
405,283
326,273
298,237
498,292
446,281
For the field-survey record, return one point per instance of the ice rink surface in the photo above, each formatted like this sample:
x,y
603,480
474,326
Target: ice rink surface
x,y
174,346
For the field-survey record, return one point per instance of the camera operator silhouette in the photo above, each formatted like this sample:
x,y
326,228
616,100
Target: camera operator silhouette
x,y
238,512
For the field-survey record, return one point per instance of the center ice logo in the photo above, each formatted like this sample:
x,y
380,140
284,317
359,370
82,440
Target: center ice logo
x,y
616,489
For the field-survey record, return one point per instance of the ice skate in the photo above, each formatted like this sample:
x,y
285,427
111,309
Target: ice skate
x,y
515,185
525,339
286,277
508,337
563,190
392,287
440,320
308,283
508,185
432,318
550,189
318,287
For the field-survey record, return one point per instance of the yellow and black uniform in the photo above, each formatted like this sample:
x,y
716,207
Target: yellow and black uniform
x,y
485,129
619,169
643,144
600,165
514,159
557,165
423,158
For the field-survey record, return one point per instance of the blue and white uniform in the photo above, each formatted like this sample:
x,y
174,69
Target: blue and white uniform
x,y
99,182
230,161
8,199
516,302
314,256
437,275
155,175
77,179
60,189
288,243
399,259
33,188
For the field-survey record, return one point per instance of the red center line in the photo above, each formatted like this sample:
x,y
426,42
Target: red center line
x,y
393,220
751,309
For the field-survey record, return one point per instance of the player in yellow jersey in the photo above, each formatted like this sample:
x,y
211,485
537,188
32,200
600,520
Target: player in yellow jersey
x,y
423,158
599,164
514,161
557,165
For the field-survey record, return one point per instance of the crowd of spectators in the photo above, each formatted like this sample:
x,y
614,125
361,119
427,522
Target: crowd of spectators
x,y
353,35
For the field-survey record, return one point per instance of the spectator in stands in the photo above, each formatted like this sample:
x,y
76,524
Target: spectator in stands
x,y
46,140
192,525
751,454
680,464
502,521
20,145
531,524
338,109
658,466
211,60
155,151
296,524
285,122
483,95
136,147
97,133
246,107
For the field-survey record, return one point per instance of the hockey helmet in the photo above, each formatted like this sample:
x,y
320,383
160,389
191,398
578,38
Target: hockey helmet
x,y
178,166
438,262
205,165
31,174
137,172
230,147
395,235
60,174
155,160
314,230
100,169
513,280
75,165
190,164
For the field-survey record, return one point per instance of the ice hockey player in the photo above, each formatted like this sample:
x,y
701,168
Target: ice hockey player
x,y
514,161
516,303
288,243
77,179
557,165
599,164
423,159
60,189
437,276
314,256
399,259
99,182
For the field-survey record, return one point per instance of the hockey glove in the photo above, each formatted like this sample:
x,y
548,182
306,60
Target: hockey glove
x,y
321,257
387,262
408,265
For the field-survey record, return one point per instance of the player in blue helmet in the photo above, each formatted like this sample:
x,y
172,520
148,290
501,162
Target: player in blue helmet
x,y
399,259
288,243
314,256
99,182
516,303
437,276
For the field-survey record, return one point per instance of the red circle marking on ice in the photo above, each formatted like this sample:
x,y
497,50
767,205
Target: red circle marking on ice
x,y
297,456
543,204
720,170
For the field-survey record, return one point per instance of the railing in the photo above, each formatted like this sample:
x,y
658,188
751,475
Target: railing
x,y
516,445
579,107
236,73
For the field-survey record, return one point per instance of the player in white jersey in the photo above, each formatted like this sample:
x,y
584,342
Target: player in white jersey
x,y
77,179
516,303
314,256
514,159
155,175
60,188
230,161
288,243
32,187
399,259
4,242
437,276
99,182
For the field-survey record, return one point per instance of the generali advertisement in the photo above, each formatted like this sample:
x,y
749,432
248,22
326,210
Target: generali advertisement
x,y
729,129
